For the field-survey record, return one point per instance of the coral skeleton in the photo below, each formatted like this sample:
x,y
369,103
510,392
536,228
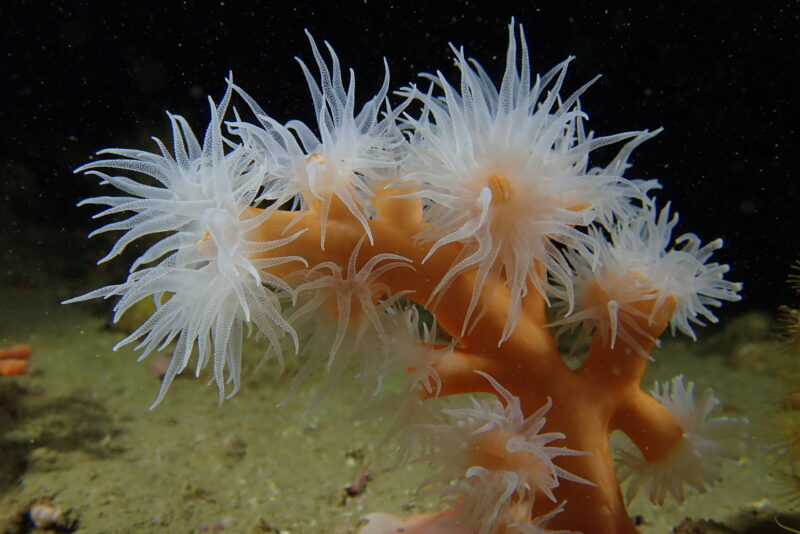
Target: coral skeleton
x,y
450,236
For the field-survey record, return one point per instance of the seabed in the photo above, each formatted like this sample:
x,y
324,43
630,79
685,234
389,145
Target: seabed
x,y
76,434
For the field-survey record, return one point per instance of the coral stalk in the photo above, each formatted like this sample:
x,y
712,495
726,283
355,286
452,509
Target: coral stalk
x,y
601,396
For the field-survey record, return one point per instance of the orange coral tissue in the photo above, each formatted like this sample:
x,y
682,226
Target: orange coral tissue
x,y
14,360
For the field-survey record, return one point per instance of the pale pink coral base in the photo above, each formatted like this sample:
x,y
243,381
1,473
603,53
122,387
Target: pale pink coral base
x,y
381,523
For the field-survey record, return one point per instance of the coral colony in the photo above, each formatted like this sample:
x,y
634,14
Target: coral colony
x,y
452,236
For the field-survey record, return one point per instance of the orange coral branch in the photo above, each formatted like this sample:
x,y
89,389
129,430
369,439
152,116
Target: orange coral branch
x,y
588,403
14,360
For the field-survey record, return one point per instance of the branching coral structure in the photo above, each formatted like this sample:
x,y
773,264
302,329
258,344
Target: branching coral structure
x,y
472,200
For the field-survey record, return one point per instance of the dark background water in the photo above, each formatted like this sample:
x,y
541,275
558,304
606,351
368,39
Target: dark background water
x,y
721,78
